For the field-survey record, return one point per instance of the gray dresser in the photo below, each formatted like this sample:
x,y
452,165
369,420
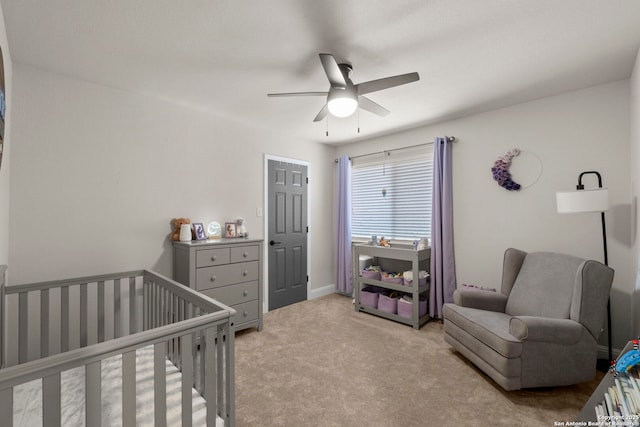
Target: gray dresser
x,y
228,270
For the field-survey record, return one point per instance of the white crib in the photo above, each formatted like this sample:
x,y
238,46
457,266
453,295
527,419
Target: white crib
x,y
162,349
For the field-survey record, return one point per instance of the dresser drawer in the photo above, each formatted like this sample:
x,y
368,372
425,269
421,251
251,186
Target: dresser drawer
x,y
244,253
234,294
209,257
222,275
247,312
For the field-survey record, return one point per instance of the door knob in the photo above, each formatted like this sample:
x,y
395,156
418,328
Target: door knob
x,y
273,242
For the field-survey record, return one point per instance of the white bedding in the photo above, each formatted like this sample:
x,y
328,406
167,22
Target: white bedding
x,y
28,397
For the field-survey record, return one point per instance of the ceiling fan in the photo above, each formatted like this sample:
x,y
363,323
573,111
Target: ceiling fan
x,y
344,97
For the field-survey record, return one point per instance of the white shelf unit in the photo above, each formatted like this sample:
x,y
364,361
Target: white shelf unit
x,y
385,255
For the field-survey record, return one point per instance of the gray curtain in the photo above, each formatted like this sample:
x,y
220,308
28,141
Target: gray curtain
x,y
344,281
443,269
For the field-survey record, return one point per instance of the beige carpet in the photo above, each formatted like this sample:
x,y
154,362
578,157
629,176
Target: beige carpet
x,y
319,363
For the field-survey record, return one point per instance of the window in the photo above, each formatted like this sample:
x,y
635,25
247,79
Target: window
x,y
392,198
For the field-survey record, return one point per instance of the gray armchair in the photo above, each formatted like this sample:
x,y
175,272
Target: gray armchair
x,y
541,329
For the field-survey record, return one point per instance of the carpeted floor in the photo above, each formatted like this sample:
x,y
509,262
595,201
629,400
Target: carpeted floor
x,y
319,363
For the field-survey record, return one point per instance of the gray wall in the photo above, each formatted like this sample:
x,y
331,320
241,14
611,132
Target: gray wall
x,y
564,135
98,173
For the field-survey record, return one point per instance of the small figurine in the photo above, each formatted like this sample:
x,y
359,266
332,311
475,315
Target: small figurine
x,y
241,229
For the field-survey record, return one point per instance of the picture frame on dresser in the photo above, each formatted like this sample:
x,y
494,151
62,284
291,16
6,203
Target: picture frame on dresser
x,y
230,230
198,229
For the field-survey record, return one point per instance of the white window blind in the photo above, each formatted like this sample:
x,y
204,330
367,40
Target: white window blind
x,y
393,198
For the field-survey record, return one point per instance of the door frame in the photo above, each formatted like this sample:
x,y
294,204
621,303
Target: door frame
x,y
265,210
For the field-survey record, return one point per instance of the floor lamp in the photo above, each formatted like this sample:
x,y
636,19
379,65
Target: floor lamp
x,y
591,200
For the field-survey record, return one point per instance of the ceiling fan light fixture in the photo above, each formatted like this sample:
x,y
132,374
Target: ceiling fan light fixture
x,y
342,104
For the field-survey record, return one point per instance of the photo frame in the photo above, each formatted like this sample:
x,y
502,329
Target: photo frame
x,y
198,229
230,229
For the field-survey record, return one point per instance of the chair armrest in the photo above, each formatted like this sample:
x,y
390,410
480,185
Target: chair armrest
x,y
544,329
483,300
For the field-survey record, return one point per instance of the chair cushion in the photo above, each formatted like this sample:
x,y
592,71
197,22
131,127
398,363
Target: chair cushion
x,y
489,327
544,286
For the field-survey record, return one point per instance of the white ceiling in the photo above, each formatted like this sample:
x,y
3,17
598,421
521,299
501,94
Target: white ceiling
x,y
224,56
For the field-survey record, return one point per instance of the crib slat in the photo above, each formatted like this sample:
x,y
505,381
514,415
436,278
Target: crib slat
x,y
93,393
145,306
6,406
171,342
129,388
160,385
210,385
187,380
101,302
84,315
152,307
161,305
51,402
64,319
133,321
23,327
222,370
117,332
44,323
227,371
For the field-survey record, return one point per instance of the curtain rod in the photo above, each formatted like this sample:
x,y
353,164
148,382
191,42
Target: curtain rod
x,y
449,139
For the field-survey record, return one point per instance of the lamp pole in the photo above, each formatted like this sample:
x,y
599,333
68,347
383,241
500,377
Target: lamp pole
x,y
580,186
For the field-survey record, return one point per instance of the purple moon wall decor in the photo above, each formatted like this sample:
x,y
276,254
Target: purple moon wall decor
x,y
500,171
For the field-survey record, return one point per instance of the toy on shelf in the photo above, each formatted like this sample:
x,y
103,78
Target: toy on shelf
x,y
384,242
628,360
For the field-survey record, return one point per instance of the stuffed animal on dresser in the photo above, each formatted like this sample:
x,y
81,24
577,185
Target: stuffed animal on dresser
x,y
177,222
241,229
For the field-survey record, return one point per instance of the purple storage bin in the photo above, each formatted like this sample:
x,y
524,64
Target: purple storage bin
x,y
405,307
369,297
388,304
423,282
367,274
395,280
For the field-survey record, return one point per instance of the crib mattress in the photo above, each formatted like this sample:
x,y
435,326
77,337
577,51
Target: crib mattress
x,y
28,397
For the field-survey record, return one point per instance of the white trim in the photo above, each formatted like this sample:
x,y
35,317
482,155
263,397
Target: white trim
x,y
265,211
323,291
603,352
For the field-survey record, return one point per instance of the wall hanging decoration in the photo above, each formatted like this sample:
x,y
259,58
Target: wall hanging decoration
x,y
500,171
528,173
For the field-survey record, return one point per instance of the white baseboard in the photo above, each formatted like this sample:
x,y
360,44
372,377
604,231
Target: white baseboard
x,y
320,292
603,352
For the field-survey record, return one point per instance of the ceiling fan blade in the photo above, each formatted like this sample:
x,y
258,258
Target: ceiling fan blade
x,y
372,107
332,70
299,94
322,114
385,83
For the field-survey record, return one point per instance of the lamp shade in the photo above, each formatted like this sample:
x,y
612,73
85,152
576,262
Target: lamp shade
x,y
342,103
594,200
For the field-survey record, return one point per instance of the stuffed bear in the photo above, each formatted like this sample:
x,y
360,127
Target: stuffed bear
x,y
177,222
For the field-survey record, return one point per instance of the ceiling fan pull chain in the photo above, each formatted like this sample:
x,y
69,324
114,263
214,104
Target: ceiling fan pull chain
x,y
358,121
327,127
